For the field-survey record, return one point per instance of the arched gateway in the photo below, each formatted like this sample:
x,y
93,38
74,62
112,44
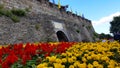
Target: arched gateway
x,y
61,36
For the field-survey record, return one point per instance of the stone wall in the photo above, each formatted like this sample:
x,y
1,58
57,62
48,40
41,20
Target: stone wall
x,y
38,24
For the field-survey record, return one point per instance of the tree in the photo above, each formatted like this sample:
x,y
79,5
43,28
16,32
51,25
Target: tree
x,y
115,25
104,36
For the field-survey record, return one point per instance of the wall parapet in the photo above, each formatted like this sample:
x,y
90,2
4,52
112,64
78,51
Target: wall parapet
x,y
62,10
44,6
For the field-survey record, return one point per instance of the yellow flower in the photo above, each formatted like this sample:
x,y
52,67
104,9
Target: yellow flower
x,y
57,65
84,59
42,65
58,60
1,46
85,55
100,51
76,54
112,62
52,59
76,63
117,67
100,66
105,58
89,57
70,60
24,46
69,54
74,58
93,56
64,54
64,60
82,65
47,57
71,66
97,57
90,66
111,66
95,64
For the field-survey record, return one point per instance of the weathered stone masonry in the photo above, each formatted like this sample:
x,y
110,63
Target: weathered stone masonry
x,y
44,22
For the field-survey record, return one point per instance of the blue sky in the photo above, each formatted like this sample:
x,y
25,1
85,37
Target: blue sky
x,y
100,12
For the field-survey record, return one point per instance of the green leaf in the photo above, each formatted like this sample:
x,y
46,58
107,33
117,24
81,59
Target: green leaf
x,y
90,61
34,66
52,54
17,65
31,62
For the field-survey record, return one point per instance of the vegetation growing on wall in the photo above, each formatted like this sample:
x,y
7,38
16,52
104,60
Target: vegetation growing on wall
x,y
83,25
96,34
13,14
78,31
37,26
1,6
18,12
88,27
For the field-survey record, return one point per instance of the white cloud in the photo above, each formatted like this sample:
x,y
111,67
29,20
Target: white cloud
x,y
106,19
102,25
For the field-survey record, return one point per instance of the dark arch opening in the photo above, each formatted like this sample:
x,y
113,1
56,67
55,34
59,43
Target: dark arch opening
x,y
61,36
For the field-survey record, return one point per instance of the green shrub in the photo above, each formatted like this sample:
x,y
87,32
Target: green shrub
x,y
48,39
37,26
18,12
27,9
1,9
88,27
77,31
13,14
95,34
83,25
15,18
2,12
1,6
8,13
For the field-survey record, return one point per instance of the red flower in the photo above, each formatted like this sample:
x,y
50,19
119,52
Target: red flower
x,y
30,49
25,58
47,47
10,59
0,60
18,48
5,65
48,54
6,50
1,53
63,46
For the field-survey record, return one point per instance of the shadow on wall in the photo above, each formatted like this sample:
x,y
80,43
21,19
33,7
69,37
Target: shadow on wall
x,y
61,36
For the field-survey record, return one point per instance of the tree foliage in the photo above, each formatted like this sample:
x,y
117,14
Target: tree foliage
x,y
115,25
104,36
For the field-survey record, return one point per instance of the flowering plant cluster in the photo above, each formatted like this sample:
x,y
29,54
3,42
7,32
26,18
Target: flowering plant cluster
x,y
86,55
61,55
29,55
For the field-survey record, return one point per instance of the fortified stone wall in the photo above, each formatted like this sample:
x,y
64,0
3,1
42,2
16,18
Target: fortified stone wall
x,y
44,22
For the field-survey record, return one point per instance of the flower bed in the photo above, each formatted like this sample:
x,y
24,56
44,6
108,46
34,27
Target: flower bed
x,y
29,55
61,55
86,55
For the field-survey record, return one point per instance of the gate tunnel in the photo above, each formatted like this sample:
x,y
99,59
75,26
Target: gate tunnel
x,y
61,36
